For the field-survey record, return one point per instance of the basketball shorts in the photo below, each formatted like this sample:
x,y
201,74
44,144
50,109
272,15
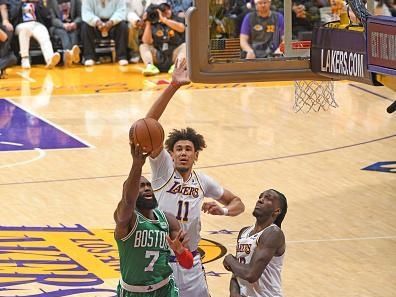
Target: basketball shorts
x,y
169,290
191,282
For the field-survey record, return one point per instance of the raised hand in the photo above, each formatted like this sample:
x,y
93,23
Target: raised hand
x,y
139,157
161,16
178,244
180,74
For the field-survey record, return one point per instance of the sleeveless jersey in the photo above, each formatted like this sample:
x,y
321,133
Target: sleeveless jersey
x,y
144,252
181,198
269,283
265,34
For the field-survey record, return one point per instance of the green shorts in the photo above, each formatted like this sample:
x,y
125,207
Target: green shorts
x,y
169,290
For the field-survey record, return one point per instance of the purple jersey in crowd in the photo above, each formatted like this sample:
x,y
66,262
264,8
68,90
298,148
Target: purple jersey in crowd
x,y
246,28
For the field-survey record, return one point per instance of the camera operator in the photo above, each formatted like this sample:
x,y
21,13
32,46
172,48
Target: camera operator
x,y
163,39
135,12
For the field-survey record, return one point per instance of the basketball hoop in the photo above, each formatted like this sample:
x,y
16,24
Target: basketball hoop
x,y
312,95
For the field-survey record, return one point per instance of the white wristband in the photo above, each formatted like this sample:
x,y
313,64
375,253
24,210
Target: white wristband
x,y
225,211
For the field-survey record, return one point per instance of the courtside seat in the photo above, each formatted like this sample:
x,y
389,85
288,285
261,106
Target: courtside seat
x,y
105,46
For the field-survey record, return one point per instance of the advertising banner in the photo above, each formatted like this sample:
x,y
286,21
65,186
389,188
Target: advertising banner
x,y
340,54
381,44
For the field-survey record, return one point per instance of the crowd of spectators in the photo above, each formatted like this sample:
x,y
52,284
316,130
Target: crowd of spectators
x,y
259,24
151,31
67,31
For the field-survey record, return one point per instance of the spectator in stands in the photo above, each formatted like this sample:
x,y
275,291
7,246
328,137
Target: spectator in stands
x,y
66,21
383,7
102,18
305,14
262,31
278,5
7,58
392,6
163,40
235,12
179,7
136,9
32,18
226,16
220,24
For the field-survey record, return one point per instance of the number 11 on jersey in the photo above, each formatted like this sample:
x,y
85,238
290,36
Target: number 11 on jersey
x,y
182,212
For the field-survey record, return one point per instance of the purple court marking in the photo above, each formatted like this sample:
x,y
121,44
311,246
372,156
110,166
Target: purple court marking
x,y
21,130
384,166
75,229
34,266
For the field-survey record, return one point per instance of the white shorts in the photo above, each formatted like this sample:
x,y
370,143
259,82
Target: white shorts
x,y
191,282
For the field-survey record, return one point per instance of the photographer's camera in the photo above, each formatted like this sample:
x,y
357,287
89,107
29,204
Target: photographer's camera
x,y
152,13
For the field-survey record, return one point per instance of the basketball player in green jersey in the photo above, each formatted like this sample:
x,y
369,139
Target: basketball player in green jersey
x,y
144,234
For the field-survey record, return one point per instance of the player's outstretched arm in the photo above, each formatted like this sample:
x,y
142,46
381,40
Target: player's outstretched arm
x,y
177,241
270,241
233,205
179,78
125,209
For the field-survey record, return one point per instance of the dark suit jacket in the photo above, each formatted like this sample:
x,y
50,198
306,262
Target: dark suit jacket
x,y
75,13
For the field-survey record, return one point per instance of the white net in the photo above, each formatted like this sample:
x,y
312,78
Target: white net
x,y
312,95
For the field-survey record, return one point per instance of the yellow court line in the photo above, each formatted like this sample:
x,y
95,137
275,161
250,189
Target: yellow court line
x,y
85,259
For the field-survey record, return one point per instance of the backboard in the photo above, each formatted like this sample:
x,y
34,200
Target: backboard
x,y
217,59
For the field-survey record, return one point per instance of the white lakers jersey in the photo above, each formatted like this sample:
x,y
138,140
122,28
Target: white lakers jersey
x,y
181,198
269,283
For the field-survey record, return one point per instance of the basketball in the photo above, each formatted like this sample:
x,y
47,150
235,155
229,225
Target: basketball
x,y
148,133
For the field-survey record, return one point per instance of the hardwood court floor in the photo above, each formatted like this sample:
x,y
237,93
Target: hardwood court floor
x,y
57,204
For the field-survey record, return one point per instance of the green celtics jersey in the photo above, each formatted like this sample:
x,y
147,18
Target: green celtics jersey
x,y
144,252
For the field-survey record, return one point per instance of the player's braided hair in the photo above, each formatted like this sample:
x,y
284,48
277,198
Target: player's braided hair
x,y
185,134
283,207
